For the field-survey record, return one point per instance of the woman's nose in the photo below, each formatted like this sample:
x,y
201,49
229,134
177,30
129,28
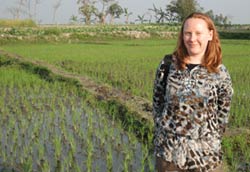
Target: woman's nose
x,y
193,36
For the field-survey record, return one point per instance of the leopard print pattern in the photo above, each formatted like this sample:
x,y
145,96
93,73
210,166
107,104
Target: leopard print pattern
x,y
191,109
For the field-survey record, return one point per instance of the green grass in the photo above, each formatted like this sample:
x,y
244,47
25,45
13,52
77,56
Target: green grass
x,y
129,65
17,23
236,58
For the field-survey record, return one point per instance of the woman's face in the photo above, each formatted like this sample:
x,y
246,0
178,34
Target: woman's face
x,y
196,36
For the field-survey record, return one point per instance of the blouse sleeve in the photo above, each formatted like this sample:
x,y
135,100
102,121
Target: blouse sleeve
x,y
159,91
225,93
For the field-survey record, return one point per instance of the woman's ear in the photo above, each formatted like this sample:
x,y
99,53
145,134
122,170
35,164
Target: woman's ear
x,y
210,35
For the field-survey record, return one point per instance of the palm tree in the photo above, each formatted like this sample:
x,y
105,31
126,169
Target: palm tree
x,y
73,19
127,14
56,6
141,19
159,14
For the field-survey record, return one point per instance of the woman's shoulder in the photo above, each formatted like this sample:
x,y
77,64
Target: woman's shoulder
x,y
222,68
223,72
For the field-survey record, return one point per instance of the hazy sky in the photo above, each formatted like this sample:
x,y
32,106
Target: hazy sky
x,y
237,10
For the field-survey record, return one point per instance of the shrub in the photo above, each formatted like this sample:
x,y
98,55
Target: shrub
x,y
234,35
52,31
17,23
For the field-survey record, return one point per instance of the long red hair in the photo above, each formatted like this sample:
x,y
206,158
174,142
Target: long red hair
x,y
213,56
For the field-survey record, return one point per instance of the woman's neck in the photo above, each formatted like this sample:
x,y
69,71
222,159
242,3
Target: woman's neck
x,y
194,60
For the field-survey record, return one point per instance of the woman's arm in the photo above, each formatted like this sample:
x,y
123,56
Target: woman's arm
x,y
160,86
225,93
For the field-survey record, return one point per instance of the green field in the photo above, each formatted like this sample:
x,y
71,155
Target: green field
x,y
128,65
48,126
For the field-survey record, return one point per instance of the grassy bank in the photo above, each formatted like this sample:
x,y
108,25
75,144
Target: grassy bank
x,y
12,31
17,23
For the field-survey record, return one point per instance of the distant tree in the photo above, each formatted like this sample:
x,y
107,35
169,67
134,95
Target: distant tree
x,y
226,20
101,16
36,2
27,8
100,9
210,13
141,19
182,8
115,11
105,4
127,14
159,14
218,19
155,11
148,13
22,8
55,8
73,19
15,12
103,12
168,14
87,9
170,17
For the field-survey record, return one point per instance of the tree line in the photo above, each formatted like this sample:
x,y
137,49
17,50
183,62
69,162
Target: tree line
x,y
106,11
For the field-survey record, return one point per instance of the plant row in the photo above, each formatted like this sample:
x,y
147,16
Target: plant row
x,y
48,126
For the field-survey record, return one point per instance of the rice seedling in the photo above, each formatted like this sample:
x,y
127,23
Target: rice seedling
x,y
127,161
45,166
57,146
90,149
72,145
109,159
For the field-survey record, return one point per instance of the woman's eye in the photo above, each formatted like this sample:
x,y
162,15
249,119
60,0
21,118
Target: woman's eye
x,y
187,34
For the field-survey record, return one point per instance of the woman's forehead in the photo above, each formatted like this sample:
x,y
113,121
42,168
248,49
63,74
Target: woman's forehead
x,y
195,23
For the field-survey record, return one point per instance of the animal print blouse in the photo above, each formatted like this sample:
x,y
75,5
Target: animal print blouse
x,y
191,110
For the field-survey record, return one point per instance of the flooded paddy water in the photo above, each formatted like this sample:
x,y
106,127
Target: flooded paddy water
x,y
48,126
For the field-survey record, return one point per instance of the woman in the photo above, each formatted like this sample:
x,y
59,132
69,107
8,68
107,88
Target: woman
x,y
191,106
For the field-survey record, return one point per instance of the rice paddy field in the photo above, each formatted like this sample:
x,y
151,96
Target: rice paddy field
x,y
49,126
